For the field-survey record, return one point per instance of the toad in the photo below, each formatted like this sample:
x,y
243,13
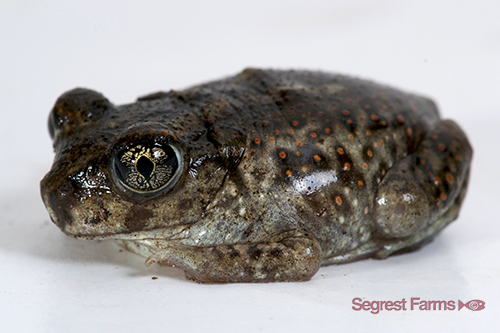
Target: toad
x,y
260,177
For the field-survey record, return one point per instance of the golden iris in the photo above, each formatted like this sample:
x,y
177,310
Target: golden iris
x,y
147,169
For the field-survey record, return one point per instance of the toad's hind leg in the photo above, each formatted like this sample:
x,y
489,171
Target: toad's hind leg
x,y
381,248
424,236
419,196
291,256
423,191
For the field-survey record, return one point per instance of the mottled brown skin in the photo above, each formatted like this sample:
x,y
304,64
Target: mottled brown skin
x,y
281,172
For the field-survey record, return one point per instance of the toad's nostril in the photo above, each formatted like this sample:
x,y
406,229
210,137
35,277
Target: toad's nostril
x,y
58,202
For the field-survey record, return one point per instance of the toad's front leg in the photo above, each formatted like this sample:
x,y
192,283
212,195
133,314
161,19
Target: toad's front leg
x,y
293,256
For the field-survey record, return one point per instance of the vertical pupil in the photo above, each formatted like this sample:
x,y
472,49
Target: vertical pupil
x,y
145,167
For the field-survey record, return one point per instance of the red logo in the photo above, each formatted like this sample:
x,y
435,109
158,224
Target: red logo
x,y
475,305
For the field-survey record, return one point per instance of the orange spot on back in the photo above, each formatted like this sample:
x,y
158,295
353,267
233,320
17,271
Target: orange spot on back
x,y
338,200
351,137
347,167
288,173
271,139
290,131
349,121
282,154
365,166
381,143
276,132
340,151
370,153
297,153
304,169
441,147
299,144
368,133
360,183
257,141
317,158
327,130
409,131
345,113
449,178
361,118
400,119
295,123
265,123
437,181
163,133
314,135
443,196
374,117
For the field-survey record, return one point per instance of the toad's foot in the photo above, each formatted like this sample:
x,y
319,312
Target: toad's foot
x,y
291,256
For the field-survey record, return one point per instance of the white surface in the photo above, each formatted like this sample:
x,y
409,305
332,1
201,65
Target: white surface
x,y
448,50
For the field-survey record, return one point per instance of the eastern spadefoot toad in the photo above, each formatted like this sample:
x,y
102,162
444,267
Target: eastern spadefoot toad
x,y
260,177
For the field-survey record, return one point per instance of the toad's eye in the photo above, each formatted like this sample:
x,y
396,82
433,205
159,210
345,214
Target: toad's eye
x,y
147,168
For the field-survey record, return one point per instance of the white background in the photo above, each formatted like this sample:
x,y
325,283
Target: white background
x,y
448,50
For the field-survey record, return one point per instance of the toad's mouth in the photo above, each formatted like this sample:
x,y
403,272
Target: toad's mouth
x,y
168,233
99,221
